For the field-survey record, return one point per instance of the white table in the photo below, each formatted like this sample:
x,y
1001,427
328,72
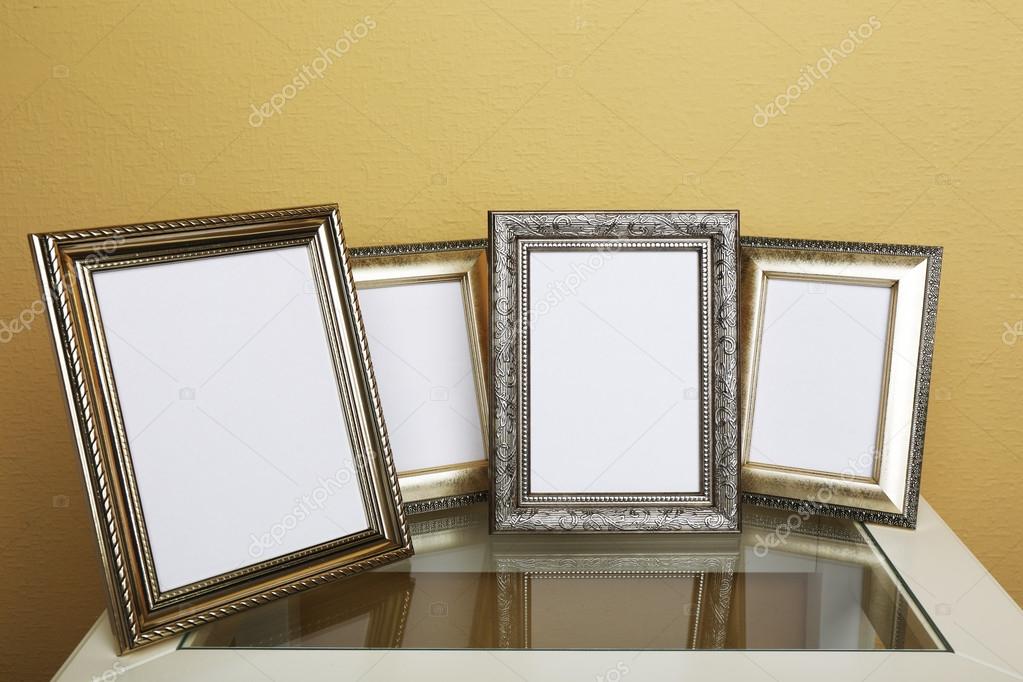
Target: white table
x,y
979,620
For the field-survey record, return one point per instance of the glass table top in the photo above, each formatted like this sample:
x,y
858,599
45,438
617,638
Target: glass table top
x,y
788,581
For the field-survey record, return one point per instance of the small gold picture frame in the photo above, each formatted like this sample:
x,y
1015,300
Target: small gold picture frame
x,y
426,321
224,409
837,340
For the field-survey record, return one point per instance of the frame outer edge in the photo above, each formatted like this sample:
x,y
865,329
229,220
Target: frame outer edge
x,y
418,247
491,369
123,619
371,384
925,368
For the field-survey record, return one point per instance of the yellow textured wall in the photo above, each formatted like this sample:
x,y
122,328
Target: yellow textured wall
x,y
123,111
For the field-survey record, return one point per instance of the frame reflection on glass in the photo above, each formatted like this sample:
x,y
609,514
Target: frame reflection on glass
x,y
615,372
369,611
426,320
224,409
837,340
827,576
578,594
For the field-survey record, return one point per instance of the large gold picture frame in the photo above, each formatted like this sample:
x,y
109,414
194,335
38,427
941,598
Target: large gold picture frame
x,y
458,481
69,266
885,486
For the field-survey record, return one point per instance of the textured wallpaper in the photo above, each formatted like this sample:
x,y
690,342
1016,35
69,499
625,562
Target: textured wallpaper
x,y
898,121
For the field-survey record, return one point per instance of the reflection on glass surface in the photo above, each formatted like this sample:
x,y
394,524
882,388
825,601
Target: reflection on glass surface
x,y
788,581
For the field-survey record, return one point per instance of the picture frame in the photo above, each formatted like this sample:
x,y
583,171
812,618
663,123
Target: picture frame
x,y
426,316
662,418
852,330
224,409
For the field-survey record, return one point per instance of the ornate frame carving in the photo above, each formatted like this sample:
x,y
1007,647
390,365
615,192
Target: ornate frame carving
x,y
140,613
715,508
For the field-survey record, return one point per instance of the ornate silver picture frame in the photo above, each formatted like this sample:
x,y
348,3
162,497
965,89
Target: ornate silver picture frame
x,y
837,340
426,320
224,409
615,372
